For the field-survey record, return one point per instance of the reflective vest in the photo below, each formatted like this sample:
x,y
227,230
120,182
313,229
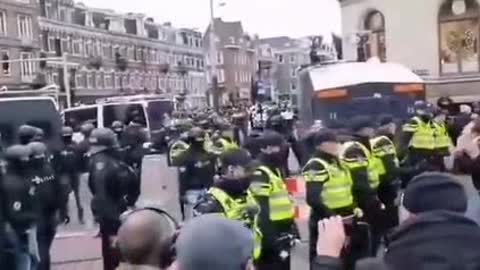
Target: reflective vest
x,y
423,136
226,145
176,149
337,190
372,163
237,209
281,206
381,147
442,138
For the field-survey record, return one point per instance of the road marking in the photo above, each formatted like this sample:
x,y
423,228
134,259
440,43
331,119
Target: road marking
x,y
66,235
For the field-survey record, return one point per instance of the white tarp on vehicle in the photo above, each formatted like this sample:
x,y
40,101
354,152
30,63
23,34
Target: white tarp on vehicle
x,y
345,74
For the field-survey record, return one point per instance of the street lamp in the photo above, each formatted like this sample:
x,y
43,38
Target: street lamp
x,y
213,54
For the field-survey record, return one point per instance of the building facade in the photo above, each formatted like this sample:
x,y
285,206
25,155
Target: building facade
x,y
235,61
289,54
265,79
437,39
117,53
19,39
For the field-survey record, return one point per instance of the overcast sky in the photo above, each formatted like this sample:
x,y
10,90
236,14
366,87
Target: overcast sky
x,y
267,18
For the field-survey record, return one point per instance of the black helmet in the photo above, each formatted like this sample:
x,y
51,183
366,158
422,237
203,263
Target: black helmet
x,y
38,149
103,137
117,126
275,121
26,133
423,108
86,129
196,134
237,157
324,135
18,152
67,131
270,138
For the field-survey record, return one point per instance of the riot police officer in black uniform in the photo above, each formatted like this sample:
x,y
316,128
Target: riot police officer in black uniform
x,y
84,145
50,194
20,203
66,166
115,187
197,169
119,128
132,141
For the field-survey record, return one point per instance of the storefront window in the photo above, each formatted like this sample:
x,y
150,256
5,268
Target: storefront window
x,y
459,39
373,44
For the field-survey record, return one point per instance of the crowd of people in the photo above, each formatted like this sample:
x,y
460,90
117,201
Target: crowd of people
x,y
378,191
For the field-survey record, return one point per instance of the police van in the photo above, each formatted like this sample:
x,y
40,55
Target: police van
x,y
338,91
35,108
153,111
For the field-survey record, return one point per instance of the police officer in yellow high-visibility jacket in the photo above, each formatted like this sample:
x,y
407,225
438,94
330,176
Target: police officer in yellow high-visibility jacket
x,y
363,165
229,195
277,210
329,186
383,149
424,140
222,144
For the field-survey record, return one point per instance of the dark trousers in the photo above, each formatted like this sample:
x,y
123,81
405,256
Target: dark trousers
x,y
110,255
271,260
46,230
72,180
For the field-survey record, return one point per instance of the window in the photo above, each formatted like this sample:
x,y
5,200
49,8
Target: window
x,y
459,36
51,43
293,86
279,58
122,112
294,72
231,40
220,58
62,15
117,82
6,67
138,55
80,80
3,23
293,59
236,76
90,80
84,115
27,68
76,47
373,44
221,76
108,81
24,23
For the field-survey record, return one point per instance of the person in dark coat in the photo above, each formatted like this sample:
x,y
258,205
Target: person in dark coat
x,y
433,225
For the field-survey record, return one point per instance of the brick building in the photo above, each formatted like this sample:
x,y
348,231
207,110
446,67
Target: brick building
x,y
235,60
18,40
121,53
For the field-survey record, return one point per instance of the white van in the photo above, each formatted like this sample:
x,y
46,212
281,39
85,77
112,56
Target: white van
x,y
154,111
